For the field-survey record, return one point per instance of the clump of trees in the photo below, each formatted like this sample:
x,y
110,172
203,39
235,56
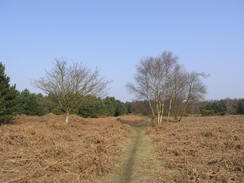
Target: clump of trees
x,y
240,107
95,107
214,108
222,107
31,104
70,89
166,86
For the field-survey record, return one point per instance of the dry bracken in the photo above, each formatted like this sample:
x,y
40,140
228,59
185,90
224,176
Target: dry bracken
x,y
201,149
44,149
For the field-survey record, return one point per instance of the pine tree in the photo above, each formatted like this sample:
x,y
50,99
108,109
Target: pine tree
x,y
7,97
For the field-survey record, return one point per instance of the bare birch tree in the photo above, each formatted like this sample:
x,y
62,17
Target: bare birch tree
x,y
153,80
66,83
166,86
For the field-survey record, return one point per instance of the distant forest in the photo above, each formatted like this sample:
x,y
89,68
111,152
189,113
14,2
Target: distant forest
x,y
205,108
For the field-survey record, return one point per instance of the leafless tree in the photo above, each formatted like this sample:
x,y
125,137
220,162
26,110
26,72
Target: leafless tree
x,y
66,83
166,86
153,80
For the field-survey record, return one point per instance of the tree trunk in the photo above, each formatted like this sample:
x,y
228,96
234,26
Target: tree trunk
x,y
151,107
158,116
170,106
184,110
160,110
187,103
161,113
67,118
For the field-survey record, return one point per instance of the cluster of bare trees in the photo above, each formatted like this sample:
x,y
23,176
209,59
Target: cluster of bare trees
x,y
161,81
167,87
66,83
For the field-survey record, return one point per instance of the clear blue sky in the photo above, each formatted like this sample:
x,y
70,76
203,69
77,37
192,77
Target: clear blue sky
x,y
206,35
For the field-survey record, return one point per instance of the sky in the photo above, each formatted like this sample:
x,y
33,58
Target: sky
x,y
206,35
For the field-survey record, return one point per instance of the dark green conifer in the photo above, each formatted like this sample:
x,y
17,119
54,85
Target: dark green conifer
x,y
7,97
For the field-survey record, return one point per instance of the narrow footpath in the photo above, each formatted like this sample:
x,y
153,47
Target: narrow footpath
x,y
138,164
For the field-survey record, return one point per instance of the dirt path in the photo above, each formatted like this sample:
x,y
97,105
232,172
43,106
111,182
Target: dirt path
x,y
138,165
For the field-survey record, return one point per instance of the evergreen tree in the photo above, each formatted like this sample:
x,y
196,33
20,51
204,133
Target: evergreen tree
x,y
91,106
121,109
29,104
214,108
110,106
7,97
128,107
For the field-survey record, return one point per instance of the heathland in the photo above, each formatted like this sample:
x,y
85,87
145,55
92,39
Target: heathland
x,y
122,149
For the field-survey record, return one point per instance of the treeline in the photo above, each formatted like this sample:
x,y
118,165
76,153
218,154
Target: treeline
x,y
205,108
13,102
222,107
90,106
163,86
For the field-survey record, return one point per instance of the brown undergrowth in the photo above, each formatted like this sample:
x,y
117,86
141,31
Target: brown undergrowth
x,y
45,149
201,149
